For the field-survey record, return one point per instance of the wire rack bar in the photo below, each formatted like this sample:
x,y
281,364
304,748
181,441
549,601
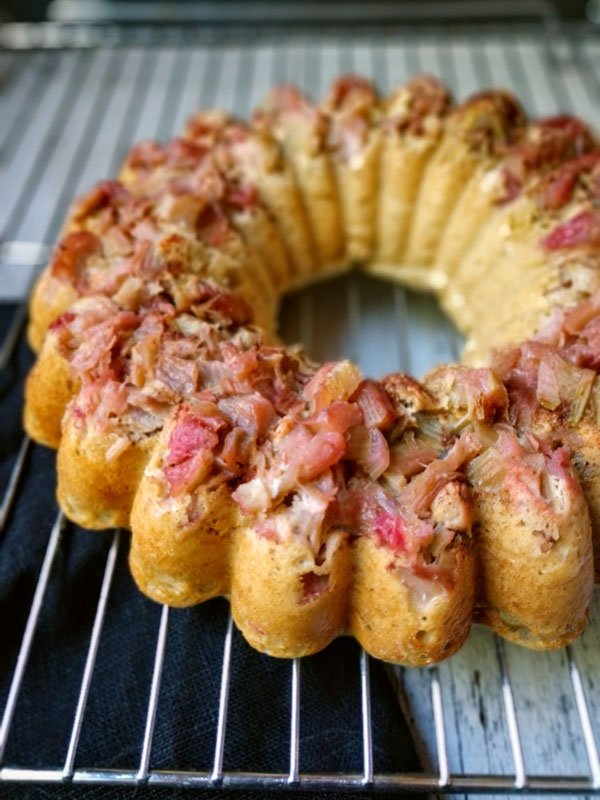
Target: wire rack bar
x,y
281,12
25,90
583,710
440,728
159,660
209,24
62,96
12,336
511,719
400,322
30,628
354,320
367,730
90,662
314,782
11,490
25,254
217,771
295,723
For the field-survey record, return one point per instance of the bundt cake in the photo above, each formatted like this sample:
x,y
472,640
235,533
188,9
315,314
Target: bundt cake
x,y
322,502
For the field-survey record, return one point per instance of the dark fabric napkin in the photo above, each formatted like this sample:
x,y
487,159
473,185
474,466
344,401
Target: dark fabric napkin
x,y
257,737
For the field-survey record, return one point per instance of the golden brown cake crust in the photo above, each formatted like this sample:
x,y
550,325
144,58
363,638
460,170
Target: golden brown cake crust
x,y
321,503
95,491
180,556
536,577
301,127
49,300
271,599
48,390
404,620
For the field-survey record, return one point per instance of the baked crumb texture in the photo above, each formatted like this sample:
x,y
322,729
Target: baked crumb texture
x,y
321,502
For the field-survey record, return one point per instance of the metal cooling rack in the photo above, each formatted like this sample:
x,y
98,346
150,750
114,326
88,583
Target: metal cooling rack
x,y
494,718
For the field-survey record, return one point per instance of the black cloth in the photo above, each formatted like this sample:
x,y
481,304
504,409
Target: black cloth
x,y
258,721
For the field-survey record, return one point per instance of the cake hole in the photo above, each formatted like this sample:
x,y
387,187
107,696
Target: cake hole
x,y
288,499
425,637
313,586
382,327
321,555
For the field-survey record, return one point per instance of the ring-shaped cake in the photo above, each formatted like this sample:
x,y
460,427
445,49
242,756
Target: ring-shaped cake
x,y
321,502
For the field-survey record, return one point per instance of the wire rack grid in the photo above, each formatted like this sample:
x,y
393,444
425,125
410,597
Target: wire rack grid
x,y
486,720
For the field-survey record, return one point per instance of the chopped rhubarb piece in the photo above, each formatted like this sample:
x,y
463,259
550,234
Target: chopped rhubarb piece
x,y
242,197
375,405
313,454
390,530
333,381
350,90
251,412
422,490
369,449
190,452
72,254
62,321
213,226
582,229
